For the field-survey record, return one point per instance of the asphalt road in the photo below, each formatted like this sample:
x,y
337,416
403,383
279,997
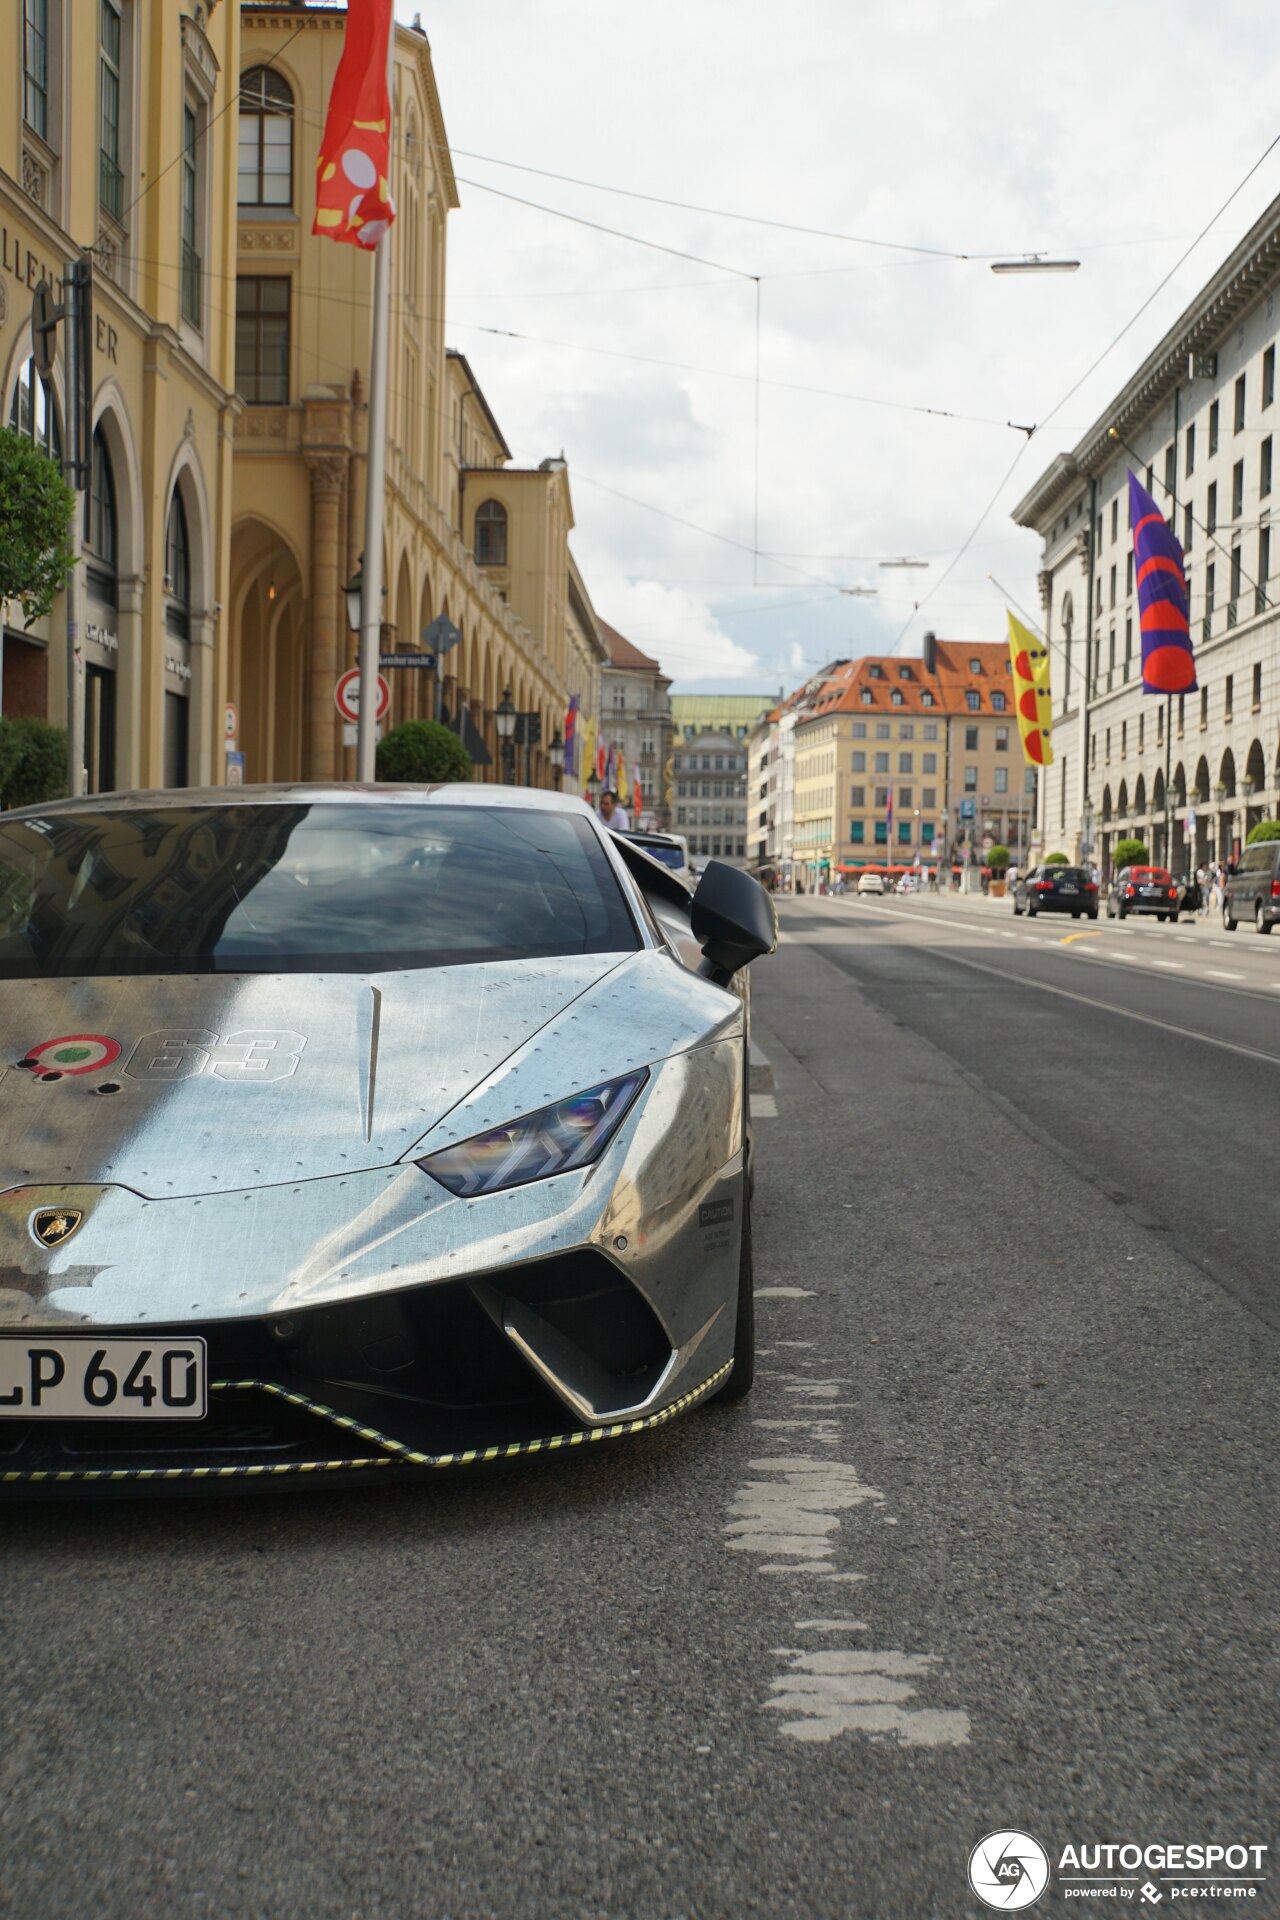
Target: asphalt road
x,y
992,1544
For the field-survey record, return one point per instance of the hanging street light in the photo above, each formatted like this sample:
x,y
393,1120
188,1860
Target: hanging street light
x,y
1035,263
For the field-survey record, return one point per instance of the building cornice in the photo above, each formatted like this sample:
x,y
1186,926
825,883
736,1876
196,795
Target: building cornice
x,y
1247,273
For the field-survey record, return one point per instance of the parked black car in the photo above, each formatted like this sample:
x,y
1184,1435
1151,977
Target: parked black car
x,y
1056,890
1144,890
1253,890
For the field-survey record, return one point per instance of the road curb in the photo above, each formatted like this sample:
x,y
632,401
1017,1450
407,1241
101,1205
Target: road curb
x,y
760,1073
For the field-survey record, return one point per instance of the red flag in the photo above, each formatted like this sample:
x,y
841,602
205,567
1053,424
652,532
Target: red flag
x,y
353,197
637,798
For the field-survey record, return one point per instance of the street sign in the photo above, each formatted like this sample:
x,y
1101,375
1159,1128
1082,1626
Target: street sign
x,y
230,722
351,734
1191,819
966,810
390,661
347,696
988,841
442,636
235,769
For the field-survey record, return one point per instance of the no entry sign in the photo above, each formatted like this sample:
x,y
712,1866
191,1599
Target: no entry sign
x,y
347,696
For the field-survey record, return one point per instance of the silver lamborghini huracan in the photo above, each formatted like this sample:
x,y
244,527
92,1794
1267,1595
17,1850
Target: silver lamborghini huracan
x,y
362,1129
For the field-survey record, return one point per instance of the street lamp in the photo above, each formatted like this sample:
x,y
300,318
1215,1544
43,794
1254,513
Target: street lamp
x,y
1035,263
556,751
504,720
353,594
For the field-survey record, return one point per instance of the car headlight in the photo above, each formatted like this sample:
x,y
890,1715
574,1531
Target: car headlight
x,y
556,1139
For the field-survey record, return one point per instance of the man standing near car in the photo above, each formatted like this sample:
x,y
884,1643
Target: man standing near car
x,y
614,816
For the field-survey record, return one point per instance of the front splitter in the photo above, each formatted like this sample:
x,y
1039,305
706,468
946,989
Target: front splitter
x,y
390,1452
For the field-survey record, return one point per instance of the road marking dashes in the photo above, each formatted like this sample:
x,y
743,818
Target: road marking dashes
x,y
764,1106
790,1515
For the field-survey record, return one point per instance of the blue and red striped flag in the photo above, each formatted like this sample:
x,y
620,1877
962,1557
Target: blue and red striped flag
x,y
1168,658
888,813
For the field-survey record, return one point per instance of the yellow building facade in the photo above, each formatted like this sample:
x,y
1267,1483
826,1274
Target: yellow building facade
x,y
466,534
116,145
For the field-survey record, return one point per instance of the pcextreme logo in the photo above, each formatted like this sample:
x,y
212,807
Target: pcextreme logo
x,y
1009,1869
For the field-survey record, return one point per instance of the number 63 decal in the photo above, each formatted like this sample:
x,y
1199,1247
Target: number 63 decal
x,y
180,1053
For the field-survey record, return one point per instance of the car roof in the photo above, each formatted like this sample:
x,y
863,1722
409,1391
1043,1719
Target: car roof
x,y
454,793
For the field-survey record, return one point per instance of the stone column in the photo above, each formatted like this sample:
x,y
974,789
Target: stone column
x,y
324,642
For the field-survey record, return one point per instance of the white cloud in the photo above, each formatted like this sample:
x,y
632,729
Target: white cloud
x,y
678,629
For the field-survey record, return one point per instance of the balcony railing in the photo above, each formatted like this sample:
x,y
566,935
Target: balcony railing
x,y
192,285
1259,599
1233,613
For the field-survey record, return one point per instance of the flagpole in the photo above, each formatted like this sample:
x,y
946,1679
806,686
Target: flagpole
x,y
375,484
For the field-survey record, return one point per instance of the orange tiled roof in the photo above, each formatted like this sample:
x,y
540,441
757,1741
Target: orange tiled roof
x,y
869,684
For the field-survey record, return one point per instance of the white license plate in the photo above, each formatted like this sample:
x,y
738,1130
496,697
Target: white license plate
x,y
78,1377
1067,889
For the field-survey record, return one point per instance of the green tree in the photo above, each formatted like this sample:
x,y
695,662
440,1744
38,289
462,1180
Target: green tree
x,y
35,524
1056,860
1129,853
1263,830
33,762
998,859
422,752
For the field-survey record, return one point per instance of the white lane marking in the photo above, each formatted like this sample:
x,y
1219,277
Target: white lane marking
x,y
764,1106
1212,973
1103,1006
797,1513
831,1626
1174,966
845,1690
785,1293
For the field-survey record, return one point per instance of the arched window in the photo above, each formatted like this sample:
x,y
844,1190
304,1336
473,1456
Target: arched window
x,y
177,570
491,534
266,139
33,411
101,527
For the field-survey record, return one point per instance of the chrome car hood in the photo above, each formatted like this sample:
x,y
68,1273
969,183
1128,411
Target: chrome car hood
x,y
174,1085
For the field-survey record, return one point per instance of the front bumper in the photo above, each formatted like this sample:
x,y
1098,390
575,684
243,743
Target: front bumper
x,y
427,1378
360,1322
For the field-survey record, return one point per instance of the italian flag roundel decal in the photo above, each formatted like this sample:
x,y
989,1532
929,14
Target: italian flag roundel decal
x,y
73,1053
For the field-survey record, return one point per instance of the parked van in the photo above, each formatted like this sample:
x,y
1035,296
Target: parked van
x,y
1253,890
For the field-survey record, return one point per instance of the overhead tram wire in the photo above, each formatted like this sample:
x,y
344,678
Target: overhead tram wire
x,y
1077,384
728,373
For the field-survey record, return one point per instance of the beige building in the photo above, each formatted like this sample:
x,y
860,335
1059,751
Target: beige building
x,y
467,535
897,757
116,143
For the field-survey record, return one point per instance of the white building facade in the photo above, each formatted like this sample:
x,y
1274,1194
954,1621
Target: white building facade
x,y
1199,423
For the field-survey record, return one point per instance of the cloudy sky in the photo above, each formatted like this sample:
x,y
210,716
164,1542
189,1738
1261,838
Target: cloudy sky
x,y
1107,132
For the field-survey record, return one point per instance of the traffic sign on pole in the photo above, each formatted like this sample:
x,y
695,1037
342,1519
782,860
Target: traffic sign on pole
x,y
346,696
230,722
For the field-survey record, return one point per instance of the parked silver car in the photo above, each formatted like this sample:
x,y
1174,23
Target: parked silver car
x,y
359,1130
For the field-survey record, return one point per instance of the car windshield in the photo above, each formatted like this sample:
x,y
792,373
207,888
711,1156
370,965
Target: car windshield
x,y
669,856
301,889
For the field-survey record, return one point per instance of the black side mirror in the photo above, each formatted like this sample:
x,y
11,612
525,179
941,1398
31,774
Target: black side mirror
x,y
733,920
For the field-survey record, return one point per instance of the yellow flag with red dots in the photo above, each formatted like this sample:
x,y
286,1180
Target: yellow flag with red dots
x,y
1032,697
